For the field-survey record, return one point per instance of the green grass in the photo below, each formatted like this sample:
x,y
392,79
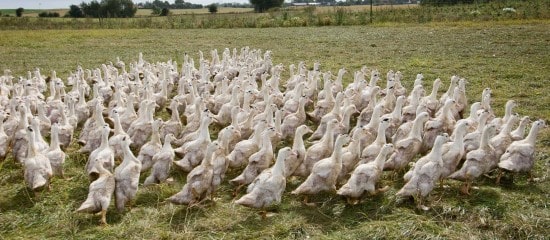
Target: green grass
x,y
509,56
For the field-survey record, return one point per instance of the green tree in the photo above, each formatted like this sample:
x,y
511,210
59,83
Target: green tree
x,y
109,8
264,5
74,12
19,12
91,9
212,8
179,4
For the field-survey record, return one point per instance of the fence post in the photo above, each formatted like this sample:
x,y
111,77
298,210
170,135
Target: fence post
x,y
370,11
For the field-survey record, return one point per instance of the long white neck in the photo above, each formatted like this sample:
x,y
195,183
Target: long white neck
x,y
128,155
235,97
167,146
2,124
484,143
396,114
54,142
298,142
482,122
375,118
328,138
416,131
279,167
347,116
204,131
458,140
381,137
507,128
520,130
104,139
301,108
507,112
118,126
532,136
257,136
380,159
433,94
266,142
175,113
155,136
32,150
337,152
446,111
206,161
436,150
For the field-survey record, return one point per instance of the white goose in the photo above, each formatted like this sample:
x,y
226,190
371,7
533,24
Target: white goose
x,y
38,170
520,155
162,162
126,176
365,177
54,152
324,173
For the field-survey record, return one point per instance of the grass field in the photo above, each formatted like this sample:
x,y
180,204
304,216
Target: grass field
x,y
511,57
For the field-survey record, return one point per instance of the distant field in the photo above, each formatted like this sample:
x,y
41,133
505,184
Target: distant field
x,y
147,12
511,57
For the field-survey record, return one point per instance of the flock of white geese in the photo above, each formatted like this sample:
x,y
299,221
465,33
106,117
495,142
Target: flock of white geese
x,y
361,130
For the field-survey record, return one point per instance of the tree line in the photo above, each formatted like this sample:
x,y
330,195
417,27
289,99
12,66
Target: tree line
x,y
103,9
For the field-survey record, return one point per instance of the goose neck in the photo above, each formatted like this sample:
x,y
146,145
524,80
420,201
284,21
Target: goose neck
x,y
104,140
54,144
532,136
433,94
436,150
381,137
337,152
396,114
298,142
485,137
380,159
279,167
520,130
416,131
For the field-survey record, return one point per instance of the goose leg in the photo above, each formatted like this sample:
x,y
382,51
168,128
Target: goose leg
x,y
237,190
499,175
307,203
263,214
382,190
103,220
465,189
531,177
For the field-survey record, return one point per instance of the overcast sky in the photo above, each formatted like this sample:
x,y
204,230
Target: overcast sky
x,y
52,4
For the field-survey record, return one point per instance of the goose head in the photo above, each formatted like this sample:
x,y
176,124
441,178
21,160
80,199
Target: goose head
x,y
387,149
385,122
169,138
304,129
342,139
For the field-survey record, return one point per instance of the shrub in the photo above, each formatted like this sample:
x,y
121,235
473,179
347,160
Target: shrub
x,y
213,8
19,12
48,14
165,12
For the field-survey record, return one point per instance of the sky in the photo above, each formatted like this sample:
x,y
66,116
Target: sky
x,y
53,4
